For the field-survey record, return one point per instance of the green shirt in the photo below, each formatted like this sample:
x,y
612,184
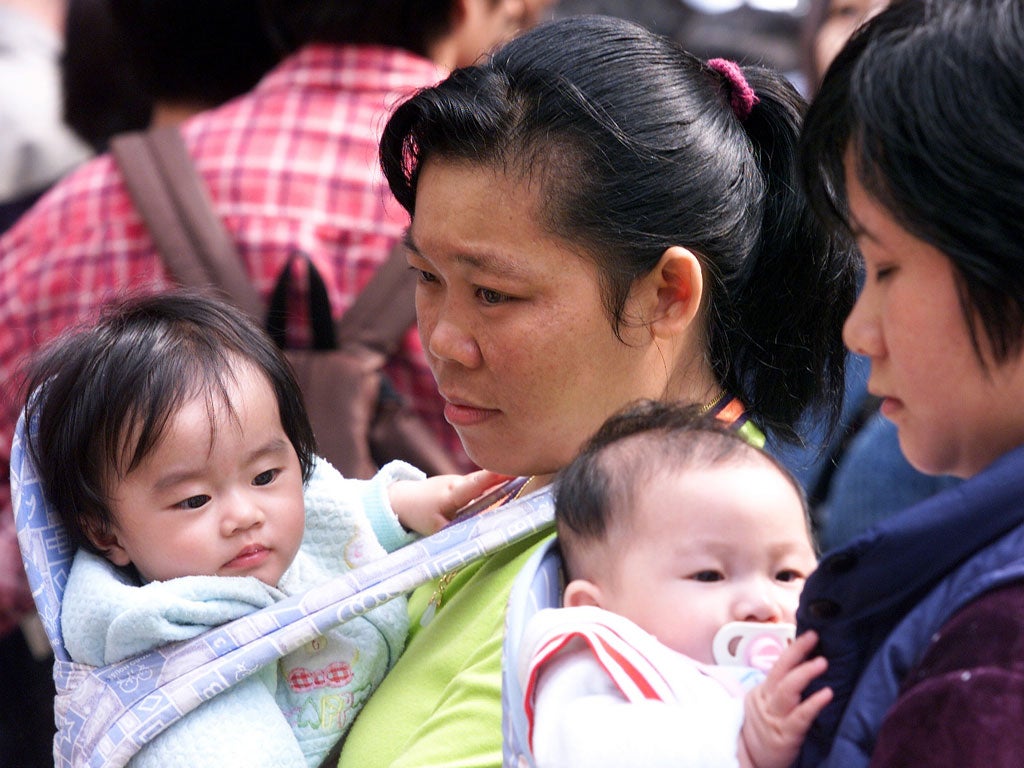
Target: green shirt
x,y
441,704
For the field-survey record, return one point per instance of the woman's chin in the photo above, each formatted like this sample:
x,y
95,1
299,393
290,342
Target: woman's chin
x,y
496,457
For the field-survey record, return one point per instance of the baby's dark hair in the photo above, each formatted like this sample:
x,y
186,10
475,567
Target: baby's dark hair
x,y
100,398
633,447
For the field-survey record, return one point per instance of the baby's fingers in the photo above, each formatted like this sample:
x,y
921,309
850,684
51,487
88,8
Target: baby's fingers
x,y
790,676
804,713
796,680
793,655
465,488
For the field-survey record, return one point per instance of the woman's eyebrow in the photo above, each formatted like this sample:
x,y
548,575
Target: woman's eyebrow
x,y
490,262
408,243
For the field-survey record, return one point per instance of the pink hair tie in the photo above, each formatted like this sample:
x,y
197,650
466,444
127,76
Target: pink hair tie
x,y
741,96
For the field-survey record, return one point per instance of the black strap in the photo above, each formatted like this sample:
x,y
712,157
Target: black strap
x,y
320,320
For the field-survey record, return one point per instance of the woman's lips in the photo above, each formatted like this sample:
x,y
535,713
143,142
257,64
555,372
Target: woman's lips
x,y
464,415
890,406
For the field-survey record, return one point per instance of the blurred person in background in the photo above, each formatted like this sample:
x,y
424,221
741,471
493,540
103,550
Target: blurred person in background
x,y
103,95
748,31
36,148
826,28
534,12
191,56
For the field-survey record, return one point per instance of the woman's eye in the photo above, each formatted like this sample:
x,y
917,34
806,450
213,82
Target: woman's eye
x,y
422,275
708,576
265,478
878,268
490,296
884,272
194,502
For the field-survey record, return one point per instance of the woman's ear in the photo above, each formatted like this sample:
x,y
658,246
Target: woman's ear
x,y
677,283
579,592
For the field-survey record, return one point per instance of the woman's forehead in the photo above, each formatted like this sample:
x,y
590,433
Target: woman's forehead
x,y
484,217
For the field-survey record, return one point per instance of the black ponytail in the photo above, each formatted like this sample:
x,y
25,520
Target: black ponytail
x,y
781,350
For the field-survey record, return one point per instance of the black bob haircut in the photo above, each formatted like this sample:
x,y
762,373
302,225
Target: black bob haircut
x,y
195,51
927,98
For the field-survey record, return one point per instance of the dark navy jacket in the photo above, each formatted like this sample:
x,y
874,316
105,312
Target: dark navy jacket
x,y
877,602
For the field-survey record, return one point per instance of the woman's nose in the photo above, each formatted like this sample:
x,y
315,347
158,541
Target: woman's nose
x,y
861,332
447,339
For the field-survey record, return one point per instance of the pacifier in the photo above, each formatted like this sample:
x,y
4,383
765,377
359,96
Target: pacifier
x,y
751,644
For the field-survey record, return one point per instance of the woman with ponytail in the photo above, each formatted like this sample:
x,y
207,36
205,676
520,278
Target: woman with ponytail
x,y
596,217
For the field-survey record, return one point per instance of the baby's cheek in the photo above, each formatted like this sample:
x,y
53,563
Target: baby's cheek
x,y
791,603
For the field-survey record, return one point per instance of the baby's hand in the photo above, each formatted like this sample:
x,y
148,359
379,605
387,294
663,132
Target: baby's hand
x,y
775,719
426,506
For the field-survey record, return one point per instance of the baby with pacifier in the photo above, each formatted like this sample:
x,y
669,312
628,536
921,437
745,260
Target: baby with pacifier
x,y
685,549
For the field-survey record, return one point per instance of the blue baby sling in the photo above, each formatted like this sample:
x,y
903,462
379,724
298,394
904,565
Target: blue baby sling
x,y
104,715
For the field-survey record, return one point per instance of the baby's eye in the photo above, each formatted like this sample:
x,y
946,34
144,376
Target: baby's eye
x,y
194,502
789,575
708,576
265,478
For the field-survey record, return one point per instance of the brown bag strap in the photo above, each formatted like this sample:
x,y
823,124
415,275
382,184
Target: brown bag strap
x,y
176,207
197,249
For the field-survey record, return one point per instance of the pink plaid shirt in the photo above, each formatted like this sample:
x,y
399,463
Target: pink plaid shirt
x,y
290,165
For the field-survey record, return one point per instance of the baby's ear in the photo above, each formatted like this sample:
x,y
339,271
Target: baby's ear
x,y
108,543
580,592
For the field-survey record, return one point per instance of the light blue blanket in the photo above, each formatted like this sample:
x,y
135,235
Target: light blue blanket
x,y
289,714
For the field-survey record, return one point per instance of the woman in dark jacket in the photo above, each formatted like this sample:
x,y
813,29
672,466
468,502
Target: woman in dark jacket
x,y
915,147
